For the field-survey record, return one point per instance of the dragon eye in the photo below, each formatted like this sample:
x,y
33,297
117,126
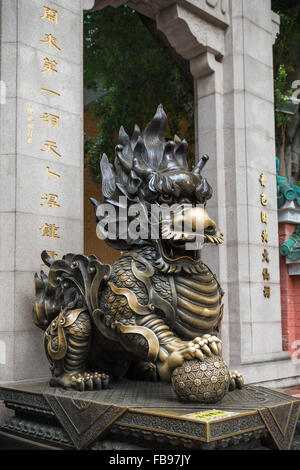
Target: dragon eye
x,y
166,198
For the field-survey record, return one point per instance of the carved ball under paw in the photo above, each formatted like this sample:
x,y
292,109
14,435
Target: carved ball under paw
x,y
202,382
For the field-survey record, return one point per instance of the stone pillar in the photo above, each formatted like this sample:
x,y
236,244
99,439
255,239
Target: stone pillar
x,y
41,163
208,73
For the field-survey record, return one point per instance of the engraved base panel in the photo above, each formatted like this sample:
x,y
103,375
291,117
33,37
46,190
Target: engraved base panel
x,y
147,415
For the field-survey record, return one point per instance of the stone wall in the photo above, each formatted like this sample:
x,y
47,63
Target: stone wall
x,y
41,155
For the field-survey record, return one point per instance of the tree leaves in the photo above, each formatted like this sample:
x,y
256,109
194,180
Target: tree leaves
x,y
136,74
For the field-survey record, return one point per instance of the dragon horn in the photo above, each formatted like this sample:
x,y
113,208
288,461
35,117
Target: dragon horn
x,y
200,165
95,204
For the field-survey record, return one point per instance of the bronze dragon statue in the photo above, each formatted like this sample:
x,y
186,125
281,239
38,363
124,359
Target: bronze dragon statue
x,y
156,313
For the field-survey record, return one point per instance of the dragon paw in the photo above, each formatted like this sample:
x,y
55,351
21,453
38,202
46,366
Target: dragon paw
x,y
208,345
198,348
236,380
81,381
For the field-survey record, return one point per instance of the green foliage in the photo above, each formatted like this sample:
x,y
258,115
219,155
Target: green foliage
x,y
288,39
136,73
285,5
282,94
285,49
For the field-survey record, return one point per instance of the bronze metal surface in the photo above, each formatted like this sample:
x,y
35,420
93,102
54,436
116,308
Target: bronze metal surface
x,y
153,409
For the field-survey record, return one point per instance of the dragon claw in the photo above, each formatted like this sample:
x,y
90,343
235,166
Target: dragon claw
x,y
209,344
236,381
81,381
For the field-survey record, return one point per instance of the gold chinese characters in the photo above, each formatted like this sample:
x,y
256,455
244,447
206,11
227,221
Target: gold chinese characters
x,y
265,256
46,90
267,292
50,14
51,173
262,180
51,41
50,231
50,145
49,66
50,119
50,199
265,236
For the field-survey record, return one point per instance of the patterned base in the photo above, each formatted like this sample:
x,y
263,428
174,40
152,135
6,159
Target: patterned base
x,y
149,415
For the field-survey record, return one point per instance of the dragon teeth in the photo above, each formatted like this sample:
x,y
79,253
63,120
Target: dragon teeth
x,y
187,269
172,269
193,269
160,263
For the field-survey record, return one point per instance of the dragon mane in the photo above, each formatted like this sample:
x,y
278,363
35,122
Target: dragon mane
x,y
143,167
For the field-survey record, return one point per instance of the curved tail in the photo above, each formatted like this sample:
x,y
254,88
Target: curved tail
x,y
75,281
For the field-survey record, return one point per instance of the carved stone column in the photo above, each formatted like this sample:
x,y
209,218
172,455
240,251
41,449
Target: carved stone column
x,y
41,163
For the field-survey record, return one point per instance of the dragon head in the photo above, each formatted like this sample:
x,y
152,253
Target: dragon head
x,y
151,178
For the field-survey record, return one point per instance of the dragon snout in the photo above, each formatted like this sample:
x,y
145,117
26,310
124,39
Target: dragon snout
x,y
195,221
198,218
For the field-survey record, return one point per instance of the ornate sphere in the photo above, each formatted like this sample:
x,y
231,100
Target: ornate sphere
x,y
202,382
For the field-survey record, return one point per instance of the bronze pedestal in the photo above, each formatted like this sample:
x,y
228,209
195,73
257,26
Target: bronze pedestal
x,y
147,415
